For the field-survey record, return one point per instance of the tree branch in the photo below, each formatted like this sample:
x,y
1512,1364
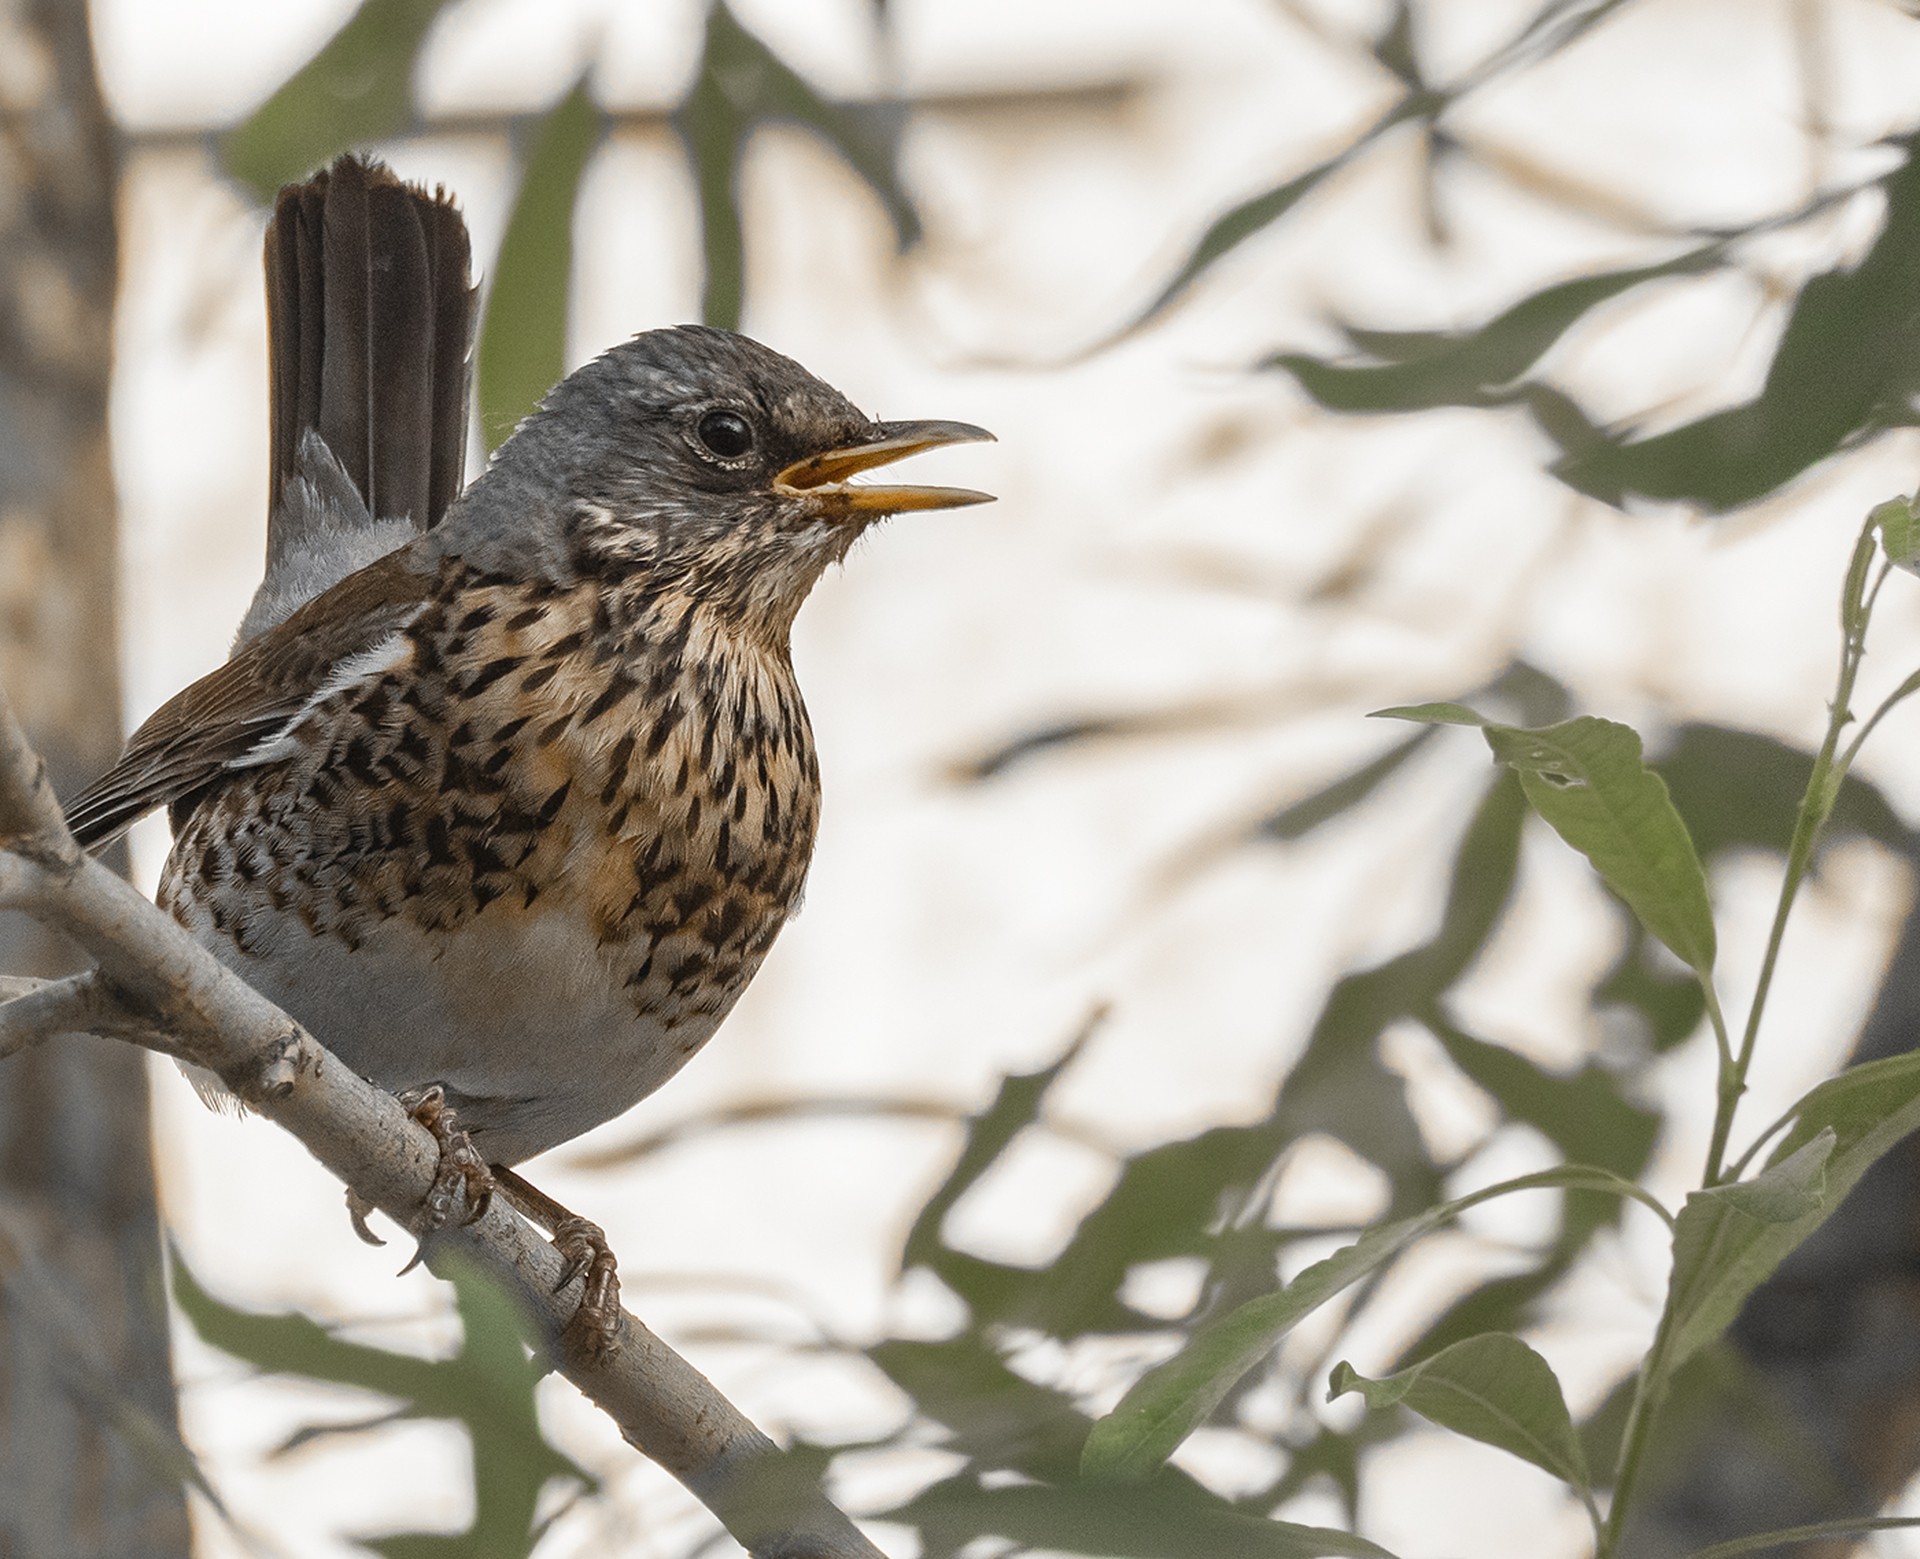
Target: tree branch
x,y
152,976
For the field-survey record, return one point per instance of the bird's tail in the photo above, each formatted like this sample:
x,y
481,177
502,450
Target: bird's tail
x,y
369,321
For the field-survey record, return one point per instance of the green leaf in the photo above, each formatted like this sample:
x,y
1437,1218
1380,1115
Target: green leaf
x,y
1302,817
1839,1129
358,88
1015,1107
1420,370
1899,532
1168,1517
1586,1114
1586,778
1174,1398
1728,1240
1432,714
487,1387
1846,1526
523,336
1842,369
1739,790
740,85
1492,1388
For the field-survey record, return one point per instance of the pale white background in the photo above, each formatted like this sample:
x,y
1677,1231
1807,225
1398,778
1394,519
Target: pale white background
x,y
1170,529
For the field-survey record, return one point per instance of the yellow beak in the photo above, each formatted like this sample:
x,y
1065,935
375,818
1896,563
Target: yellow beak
x,y
825,475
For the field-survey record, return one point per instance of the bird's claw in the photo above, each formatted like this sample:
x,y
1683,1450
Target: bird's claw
x,y
357,1209
461,1175
583,1247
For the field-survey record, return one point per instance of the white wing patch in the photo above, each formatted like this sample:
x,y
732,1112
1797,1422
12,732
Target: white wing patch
x,y
363,667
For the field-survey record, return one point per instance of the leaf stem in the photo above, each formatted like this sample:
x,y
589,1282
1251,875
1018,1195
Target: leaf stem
x,y
1830,767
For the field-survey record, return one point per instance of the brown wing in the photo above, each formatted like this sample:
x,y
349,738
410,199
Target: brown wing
x,y
204,729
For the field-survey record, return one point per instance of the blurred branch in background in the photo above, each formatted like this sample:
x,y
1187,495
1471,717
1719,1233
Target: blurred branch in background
x,y
91,1463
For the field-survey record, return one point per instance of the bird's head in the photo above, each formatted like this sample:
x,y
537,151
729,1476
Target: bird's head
x,y
711,464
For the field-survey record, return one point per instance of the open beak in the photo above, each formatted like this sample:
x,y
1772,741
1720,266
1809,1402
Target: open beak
x,y
826,474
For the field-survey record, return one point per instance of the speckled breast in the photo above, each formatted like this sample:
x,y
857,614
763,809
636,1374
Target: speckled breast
x,y
542,826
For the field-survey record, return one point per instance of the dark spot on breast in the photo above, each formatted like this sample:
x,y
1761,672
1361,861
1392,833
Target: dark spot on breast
x,y
490,673
525,618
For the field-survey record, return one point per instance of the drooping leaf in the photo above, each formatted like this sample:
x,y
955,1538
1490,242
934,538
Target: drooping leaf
x,y
357,89
1586,778
1493,1388
1175,1397
1419,370
523,337
1843,370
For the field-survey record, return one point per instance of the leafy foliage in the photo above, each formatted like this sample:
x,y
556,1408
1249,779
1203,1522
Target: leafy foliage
x,y
486,1386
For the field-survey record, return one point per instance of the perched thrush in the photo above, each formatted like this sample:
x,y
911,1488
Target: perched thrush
x,y
506,793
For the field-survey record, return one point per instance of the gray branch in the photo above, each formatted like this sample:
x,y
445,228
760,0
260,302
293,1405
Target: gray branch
x,y
152,978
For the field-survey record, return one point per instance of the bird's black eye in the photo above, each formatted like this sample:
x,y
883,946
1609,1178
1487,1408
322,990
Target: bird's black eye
x,y
728,434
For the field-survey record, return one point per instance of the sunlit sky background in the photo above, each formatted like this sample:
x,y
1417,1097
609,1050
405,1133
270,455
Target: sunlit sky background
x,y
1166,519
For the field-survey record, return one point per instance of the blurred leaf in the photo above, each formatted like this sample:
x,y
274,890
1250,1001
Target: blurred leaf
x,y
1586,778
1175,1397
1503,1304
487,1386
1394,47
1015,1107
1169,1517
1844,369
1672,1004
358,88
1302,817
1586,1114
1740,790
992,1415
1845,1526
1492,1388
741,85
1242,222
523,338
1339,1085
1420,370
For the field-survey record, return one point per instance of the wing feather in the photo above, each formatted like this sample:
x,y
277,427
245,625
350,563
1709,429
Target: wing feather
x,y
215,723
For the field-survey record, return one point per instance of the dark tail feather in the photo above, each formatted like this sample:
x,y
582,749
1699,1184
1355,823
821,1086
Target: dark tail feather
x,y
369,320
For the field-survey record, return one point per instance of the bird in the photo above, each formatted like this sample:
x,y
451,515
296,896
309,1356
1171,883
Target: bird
x,y
505,792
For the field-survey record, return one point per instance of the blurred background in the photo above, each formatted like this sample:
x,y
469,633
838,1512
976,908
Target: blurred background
x,y
1342,355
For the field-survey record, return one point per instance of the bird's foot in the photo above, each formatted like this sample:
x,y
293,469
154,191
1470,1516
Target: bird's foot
x,y
583,1246
462,1174
595,1327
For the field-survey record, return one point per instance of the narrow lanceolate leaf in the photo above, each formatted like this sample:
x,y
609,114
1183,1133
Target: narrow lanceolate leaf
x,y
523,337
1174,1398
1587,778
1492,1388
